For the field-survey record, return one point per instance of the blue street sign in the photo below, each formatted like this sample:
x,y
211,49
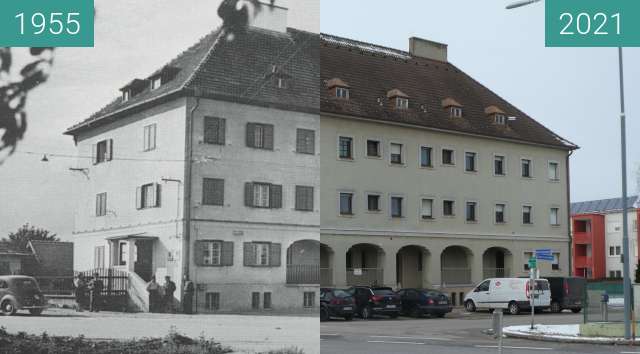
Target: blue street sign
x,y
544,254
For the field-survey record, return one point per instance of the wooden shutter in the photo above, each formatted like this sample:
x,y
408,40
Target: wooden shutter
x,y
109,153
248,194
157,193
249,256
222,129
198,253
251,131
214,130
139,198
152,138
94,153
218,191
227,254
268,137
275,196
304,198
213,191
305,141
274,254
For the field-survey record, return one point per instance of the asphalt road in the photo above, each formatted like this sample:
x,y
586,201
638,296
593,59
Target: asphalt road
x,y
460,333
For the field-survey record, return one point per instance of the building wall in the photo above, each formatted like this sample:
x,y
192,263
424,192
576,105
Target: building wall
x,y
234,222
365,175
594,237
613,238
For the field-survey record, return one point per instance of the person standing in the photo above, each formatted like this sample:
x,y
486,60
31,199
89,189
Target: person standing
x,y
80,288
95,291
187,296
154,294
169,289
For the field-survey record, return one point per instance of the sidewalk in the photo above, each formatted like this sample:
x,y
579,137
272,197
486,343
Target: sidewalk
x,y
559,333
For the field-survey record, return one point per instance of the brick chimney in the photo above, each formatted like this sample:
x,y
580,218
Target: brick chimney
x,y
270,17
427,49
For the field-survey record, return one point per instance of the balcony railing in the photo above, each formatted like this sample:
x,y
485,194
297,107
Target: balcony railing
x,y
303,274
456,276
496,273
326,276
364,276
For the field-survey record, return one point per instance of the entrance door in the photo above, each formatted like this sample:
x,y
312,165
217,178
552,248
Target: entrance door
x,y
144,259
500,271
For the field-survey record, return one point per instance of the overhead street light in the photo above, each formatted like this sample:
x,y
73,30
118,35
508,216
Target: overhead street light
x,y
623,152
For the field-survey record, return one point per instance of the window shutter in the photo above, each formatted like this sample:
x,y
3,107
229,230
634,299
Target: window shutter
x,y
158,192
94,153
218,192
222,124
198,253
249,258
97,204
138,197
304,198
109,152
275,196
227,254
153,136
251,130
212,191
274,254
268,136
248,194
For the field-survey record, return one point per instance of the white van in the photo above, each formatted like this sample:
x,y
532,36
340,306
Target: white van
x,y
508,293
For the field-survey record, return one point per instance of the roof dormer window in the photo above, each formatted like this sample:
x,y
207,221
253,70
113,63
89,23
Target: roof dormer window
x,y
399,99
454,108
402,103
338,88
456,112
126,94
342,92
156,83
133,88
282,83
499,117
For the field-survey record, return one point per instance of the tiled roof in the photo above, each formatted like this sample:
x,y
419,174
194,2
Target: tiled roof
x,y
372,71
603,205
236,70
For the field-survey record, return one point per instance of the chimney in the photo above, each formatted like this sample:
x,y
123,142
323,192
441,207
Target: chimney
x,y
270,17
427,49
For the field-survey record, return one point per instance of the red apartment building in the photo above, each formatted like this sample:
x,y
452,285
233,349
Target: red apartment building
x,y
597,235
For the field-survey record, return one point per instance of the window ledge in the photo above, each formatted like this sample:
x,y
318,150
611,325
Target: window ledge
x,y
429,219
449,216
527,225
448,165
526,178
471,221
475,172
374,157
397,164
553,180
373,211
430,167
346,215
502,175
345,159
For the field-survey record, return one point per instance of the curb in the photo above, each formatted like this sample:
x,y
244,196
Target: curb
x,y
566,339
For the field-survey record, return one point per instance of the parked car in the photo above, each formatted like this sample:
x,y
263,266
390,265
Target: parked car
x,y
336,303
376,301
511,294
19,292
567,293
418,302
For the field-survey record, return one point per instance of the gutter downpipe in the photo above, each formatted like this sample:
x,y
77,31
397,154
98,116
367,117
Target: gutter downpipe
x,y
186,234
569,214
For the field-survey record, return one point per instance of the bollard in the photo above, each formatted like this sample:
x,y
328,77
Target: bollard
x,y
497,327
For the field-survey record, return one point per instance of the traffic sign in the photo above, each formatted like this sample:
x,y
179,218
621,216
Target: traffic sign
x,y
544,254
533,263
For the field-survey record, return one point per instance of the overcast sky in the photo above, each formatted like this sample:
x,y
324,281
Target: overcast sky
x,y
574,92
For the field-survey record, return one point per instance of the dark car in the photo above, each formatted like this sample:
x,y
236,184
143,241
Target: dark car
x,y
19,292
567,293
376,301
336,303
420,302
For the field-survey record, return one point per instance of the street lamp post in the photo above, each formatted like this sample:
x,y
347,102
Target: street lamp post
x,y
625,227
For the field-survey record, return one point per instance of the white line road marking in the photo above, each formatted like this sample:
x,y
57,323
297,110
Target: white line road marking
x,y
629,352
389,342
329,334
419,338
507,347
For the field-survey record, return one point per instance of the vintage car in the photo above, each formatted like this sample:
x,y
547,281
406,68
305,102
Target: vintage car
x,y
19,292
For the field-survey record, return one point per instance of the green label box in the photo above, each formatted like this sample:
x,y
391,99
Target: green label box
x,y
592,23
46,23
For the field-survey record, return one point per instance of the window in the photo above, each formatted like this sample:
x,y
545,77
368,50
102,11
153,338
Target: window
x,y
448,208
456,112
98,257
148,196
309,299
471,211
123,253
426,208
612,274
126,95
635,225
500,209
553,171
527,256
526,215
215,130
346,204
448,157
260,136
305,141
282,83
612,251
149,139
396,153
212,301
345,147
373,202
500,119
156,82
373,148
526,168
470,161
425,156
618,274
402,103
498,165
618,250
555,264
396,207
101,204
102,151
212,191
342,92
553,216
484,286
261,254
211,252
304,198
266,303
255,300
263,195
